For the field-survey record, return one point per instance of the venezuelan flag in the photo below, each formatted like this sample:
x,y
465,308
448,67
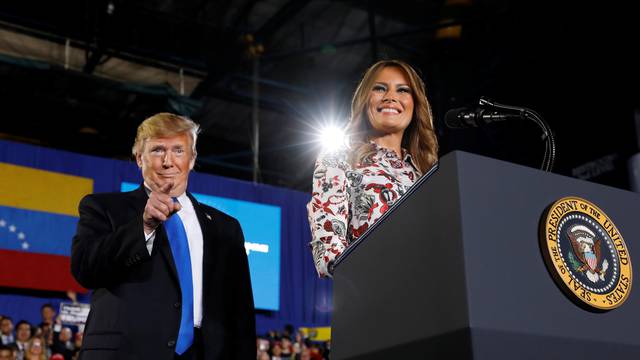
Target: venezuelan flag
x,y
38,217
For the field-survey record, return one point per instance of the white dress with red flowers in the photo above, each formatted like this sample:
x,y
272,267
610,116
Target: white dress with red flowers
x,y
346,200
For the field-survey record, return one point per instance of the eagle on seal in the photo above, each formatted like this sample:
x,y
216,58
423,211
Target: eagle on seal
x,y
588,250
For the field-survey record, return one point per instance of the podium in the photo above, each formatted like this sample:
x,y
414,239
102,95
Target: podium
x,y
456,272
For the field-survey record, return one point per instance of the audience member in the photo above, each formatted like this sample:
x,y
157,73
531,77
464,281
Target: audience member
x,y
305,354
287,348
36,349
263,344
77,342
6,353
276,351
44,330
315,352
63,342
327,349
23,334
6,330
288,331
48,314
14,350
299,343
272,335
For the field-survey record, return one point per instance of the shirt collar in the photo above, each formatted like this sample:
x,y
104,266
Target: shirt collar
x,y
405,153
406,157
384,149
185,201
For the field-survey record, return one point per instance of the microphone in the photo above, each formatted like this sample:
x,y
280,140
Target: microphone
x,y
465,118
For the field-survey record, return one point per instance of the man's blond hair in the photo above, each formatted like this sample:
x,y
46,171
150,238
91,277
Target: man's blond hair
x,y
165,125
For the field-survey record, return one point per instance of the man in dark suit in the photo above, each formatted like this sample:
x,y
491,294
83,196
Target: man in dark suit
x,y
170,275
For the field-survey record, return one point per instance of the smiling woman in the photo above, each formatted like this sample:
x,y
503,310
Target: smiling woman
x,y
392,143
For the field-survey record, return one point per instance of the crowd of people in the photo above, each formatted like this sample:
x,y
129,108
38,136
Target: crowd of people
x,y
290,345
51,340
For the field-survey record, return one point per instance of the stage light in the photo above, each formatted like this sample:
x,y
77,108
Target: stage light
x,y
332,138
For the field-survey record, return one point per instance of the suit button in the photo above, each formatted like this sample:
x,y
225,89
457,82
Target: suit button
x,y
171,343
176,305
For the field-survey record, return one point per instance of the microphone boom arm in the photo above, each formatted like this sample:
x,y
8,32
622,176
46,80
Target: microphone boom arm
x,y
547,135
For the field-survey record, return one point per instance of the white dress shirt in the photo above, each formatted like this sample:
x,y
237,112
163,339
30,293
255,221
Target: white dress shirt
x,y
194,236
7,339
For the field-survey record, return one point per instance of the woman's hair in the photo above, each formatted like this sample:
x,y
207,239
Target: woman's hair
x,y
43,349
419,138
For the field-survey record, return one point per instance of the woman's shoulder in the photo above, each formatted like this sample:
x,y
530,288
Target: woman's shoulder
x,y
336,159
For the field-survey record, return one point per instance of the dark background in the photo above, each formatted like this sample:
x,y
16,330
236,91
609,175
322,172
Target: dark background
x,y
572,62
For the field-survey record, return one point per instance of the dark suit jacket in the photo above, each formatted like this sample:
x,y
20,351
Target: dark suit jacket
x,y
135,306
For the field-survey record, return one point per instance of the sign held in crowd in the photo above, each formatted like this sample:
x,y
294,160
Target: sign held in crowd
x,y
74,313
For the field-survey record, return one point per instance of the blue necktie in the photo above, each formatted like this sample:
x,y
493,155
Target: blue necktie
x,y
180,250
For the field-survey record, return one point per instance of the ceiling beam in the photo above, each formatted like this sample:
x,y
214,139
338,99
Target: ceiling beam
x,y
281,17
358,41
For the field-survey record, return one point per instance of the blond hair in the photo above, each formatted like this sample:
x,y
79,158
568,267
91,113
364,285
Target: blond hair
x,y
43,347
419,138
165,125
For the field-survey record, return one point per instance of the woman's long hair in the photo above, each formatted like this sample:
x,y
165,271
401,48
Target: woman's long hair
x,y
419,137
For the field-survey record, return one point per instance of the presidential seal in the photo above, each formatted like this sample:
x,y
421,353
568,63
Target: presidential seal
x,y
585,254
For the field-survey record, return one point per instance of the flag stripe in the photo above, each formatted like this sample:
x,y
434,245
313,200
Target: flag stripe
x,y
37,271
33,189
36,231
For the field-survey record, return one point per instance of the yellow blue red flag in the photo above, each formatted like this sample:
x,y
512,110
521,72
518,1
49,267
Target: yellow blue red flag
x,y
38,217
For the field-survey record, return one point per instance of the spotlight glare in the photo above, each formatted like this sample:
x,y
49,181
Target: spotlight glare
x,y
332,138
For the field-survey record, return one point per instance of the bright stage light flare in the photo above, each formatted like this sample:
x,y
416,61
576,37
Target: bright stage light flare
x,y
332,138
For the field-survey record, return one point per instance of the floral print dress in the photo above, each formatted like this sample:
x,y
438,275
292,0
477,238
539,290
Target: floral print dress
x,y
346,200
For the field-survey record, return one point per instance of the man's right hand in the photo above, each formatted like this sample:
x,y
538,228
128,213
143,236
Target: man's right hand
x,y
158,209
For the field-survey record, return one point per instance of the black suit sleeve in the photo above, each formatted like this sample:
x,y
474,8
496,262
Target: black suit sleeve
x,y
103,251
244,337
